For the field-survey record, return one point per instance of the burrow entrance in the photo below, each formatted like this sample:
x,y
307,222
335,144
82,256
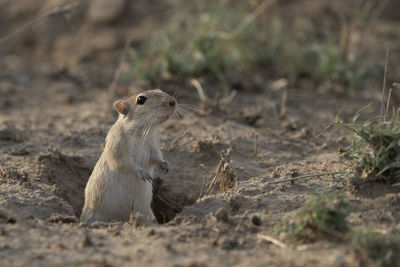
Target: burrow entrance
x,y
68,176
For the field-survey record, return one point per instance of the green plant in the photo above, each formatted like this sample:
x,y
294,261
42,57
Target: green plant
x,y
322,214
200,38
323,63
223,38
376,145
382,249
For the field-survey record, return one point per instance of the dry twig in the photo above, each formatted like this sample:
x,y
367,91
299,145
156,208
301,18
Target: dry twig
x,y
307,176
211,103
57,11
225,175
272,240
384,83
255,148
251,17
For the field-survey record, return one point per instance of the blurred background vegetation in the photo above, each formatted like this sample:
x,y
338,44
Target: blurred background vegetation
x,y
330,47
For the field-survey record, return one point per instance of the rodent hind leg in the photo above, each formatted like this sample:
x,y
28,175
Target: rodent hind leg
x,y
142,200
89,216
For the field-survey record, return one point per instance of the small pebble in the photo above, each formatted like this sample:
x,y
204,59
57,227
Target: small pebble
x,y
222,215
256,220
151,232
11,220
226,243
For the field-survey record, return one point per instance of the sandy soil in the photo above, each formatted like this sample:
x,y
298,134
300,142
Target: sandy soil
x,y
53,121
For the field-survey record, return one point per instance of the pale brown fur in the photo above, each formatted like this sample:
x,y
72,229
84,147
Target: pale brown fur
x,y
121,180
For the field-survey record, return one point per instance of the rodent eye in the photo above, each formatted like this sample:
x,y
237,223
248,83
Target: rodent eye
x,y
141,99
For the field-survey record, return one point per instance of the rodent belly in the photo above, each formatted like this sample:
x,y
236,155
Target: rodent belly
x,y
120,198
141,156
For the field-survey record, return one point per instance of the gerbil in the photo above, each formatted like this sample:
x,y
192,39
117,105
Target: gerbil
x,y
121,180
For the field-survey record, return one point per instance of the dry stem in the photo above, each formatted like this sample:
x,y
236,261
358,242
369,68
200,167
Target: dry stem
x,y
384,83
225,174
57,11
307,176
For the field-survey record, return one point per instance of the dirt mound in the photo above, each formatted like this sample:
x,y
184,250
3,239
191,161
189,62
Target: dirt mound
x,y
11,134
67,175
13,176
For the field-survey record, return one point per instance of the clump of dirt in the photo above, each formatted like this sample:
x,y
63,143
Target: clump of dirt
x,y
6,218
69,174
10,134
371,186
209,147
12,176
57,218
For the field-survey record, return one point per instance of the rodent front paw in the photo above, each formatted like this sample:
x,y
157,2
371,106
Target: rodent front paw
x,y
145,175
164,166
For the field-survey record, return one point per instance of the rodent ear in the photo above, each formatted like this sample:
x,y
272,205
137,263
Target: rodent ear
x,y
121,106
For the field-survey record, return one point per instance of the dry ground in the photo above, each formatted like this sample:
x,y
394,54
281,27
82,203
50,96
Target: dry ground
x,y
53,121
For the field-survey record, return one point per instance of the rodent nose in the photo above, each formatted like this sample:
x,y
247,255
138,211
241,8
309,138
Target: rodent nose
x,y
172,103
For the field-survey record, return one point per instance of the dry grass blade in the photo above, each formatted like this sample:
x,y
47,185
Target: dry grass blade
x,y
168,203
176,140
384,82
227,99
201,189
200,91
225,175
307,176
272,240
251,17
255,147
118,72
283,104
213,104
57,11
388,104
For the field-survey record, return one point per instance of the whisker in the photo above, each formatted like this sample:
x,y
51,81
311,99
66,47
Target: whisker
x,y
151,124
179,114
143,133
188,107
185,111
176,93
148,125
181,108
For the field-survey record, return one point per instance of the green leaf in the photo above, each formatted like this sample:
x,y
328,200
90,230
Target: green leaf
x,y
397,85
337,118
389,166
361,111
372,120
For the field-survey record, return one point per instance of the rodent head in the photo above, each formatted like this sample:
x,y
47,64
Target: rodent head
x,y
149,107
